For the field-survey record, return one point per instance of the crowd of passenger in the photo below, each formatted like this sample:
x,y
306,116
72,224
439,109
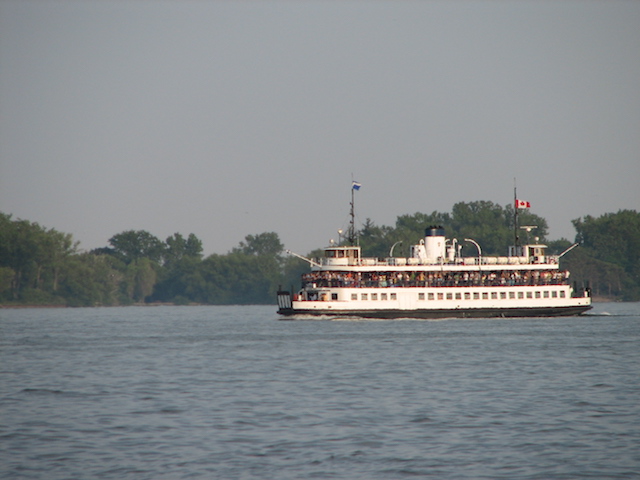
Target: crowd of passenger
x,y
434,279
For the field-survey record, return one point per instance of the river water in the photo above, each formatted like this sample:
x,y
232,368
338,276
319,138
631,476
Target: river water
x,y
236,393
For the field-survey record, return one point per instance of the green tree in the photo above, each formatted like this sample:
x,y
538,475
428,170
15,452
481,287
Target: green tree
x,y
35,255
178,248
88,280
6,280
250,273
138,281
375,240
410,228
57,249
20,251
267,243
613,239
605,279
136,244
176,281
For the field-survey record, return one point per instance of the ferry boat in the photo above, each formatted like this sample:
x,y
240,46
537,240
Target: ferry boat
x,y
435,281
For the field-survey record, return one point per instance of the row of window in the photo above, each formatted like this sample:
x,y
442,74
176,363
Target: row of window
x,y
465,295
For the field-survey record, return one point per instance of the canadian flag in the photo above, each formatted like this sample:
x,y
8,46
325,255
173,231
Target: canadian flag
x,y
522,204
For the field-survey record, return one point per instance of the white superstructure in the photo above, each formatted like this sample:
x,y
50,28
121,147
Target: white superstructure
x,y
435,281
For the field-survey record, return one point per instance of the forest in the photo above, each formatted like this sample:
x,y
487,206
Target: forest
x,y
42,266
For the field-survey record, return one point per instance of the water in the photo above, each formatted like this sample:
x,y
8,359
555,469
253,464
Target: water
x,y
235,393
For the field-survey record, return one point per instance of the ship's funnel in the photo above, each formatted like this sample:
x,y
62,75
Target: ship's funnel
x,y
434,243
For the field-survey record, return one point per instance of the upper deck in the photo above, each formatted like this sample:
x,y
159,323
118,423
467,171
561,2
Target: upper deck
x,y
349,258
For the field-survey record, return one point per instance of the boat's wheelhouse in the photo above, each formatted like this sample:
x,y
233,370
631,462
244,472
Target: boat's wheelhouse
x,y
344,255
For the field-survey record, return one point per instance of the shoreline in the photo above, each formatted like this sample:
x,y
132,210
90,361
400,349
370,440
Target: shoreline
x,y
598,299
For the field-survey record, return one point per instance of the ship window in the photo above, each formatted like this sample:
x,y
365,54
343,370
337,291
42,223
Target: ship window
x,y
537,294
430,296
364,296
520,295
394,296
503,295
421,296
494,295
485,295
383,296
529,294
374,296
512,295
562,294
450,296
354,296
476,296
459,296
440,296
554,294
334,296
545,294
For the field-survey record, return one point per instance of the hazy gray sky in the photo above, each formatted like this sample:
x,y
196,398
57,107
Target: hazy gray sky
x,y
233,118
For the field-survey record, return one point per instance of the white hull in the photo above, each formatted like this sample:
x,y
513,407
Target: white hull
x,y
439,302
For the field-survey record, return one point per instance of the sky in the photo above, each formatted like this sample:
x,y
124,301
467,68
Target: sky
x,y
231,118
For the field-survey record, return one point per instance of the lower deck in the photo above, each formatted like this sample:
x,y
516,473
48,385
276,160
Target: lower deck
x,y
437,302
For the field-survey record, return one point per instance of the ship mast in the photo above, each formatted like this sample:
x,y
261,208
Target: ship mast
x,y
351,234
516,239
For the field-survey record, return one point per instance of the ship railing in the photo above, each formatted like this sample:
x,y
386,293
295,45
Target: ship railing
x,y
402,261
320,279
448,283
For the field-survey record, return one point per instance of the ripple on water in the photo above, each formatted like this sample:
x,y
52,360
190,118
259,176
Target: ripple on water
x,y
232,393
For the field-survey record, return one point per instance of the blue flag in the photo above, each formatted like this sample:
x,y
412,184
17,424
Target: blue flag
x,y
355,185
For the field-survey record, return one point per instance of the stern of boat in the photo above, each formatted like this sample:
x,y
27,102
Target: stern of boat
x,y
284,302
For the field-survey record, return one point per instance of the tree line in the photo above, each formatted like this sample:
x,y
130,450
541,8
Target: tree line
x,y
41,266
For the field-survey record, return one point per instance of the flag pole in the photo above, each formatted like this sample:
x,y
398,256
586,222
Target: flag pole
x,y
516,240
352,226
